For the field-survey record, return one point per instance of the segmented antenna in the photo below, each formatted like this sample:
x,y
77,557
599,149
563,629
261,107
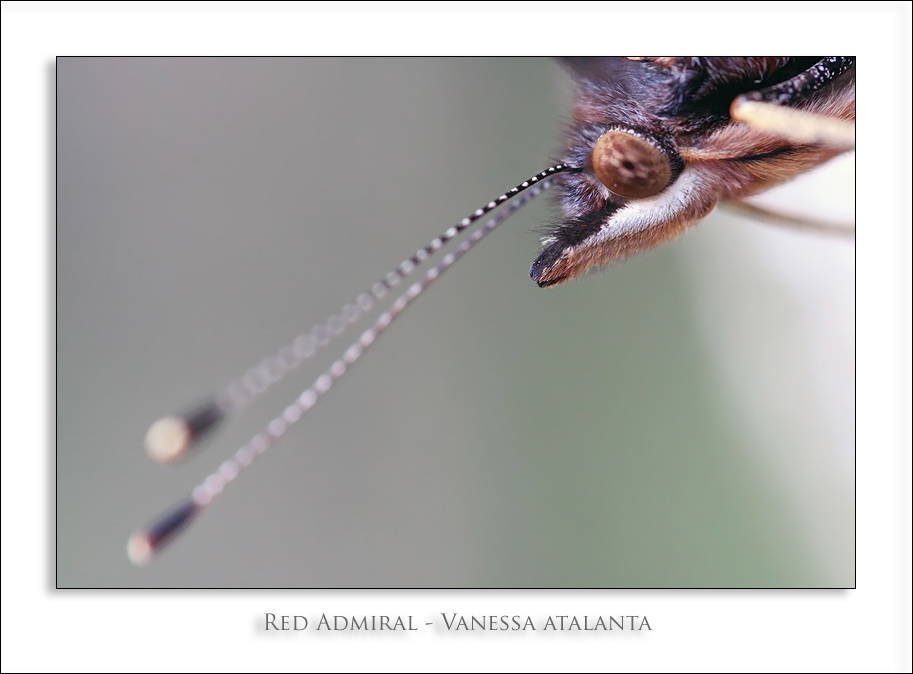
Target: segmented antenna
x,y
171,437
143,544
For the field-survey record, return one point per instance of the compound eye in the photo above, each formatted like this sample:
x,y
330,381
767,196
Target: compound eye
x,y
631,166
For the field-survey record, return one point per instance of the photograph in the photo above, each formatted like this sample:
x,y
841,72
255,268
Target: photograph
x,y
676,414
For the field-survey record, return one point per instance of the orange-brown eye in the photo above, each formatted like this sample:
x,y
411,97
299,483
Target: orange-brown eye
x,y
631,166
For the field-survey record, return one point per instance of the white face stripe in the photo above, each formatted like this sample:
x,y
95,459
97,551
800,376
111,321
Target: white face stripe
x,y
640,224
685,194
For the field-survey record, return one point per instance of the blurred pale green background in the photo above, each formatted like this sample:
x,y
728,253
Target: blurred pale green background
x,y
684,419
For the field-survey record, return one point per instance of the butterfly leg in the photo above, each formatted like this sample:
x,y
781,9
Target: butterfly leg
x,y
824,120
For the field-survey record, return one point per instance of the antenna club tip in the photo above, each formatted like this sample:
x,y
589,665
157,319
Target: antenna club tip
x,y
169,439
139,548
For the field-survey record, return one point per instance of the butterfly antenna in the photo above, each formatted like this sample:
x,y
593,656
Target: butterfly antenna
x,y
145,543
173,436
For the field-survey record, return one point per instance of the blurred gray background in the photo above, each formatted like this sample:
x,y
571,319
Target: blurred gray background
x,y
684,419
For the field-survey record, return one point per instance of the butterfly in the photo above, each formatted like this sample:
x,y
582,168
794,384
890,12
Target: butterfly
x,y
653,145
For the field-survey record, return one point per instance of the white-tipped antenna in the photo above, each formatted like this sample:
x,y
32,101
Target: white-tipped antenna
x,y
172,437
145,543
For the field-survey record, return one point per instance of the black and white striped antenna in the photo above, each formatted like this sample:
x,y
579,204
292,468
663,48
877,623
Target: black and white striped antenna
x,y
173,436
